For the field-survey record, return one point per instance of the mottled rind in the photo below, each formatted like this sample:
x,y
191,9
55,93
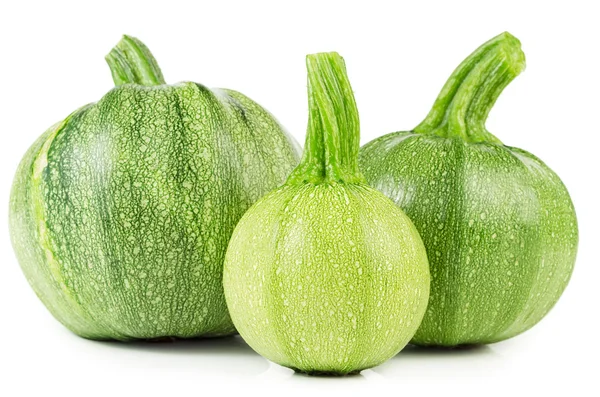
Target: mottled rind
x,y
499,228
121,214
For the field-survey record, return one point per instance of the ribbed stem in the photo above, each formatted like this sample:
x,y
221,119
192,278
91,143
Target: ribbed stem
x,y
464,103
333,135
131,62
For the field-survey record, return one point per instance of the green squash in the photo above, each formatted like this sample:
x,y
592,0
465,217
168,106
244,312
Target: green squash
x,y
326,275
120,215
498,224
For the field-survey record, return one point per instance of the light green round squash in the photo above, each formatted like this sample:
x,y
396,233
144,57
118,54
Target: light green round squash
x,y
498,224
326,275
120,215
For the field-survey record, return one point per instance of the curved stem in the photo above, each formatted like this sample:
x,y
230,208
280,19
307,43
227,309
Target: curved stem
x,y
333,135
131,62
464,103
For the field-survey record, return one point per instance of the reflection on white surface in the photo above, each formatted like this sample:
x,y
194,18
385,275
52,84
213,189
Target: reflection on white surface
x,y
415,361
51,361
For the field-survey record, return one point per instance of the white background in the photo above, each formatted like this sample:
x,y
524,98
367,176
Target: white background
x,y
398,54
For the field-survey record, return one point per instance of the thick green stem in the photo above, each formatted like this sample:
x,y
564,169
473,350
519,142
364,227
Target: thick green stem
x,y
464,103
131,62
333,135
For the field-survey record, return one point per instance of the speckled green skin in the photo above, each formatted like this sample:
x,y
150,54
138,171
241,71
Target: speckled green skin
x,y
327,278
121,214
498,224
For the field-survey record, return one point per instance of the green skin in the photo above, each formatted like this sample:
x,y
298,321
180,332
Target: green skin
x,y
498,224
120,215
326,275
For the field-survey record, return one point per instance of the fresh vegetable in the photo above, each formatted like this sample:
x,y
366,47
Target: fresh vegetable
x,y
498,224
121,213
325,275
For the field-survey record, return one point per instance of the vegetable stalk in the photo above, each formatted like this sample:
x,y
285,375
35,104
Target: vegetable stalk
x,y
333,136
466,99
131,62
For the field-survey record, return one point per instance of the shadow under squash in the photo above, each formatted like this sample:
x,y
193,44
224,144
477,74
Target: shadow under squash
x,y
231,345
221,354
328,375
450,352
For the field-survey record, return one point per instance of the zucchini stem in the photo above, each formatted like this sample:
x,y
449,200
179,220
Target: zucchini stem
x,y
466,99
333,135
131,62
